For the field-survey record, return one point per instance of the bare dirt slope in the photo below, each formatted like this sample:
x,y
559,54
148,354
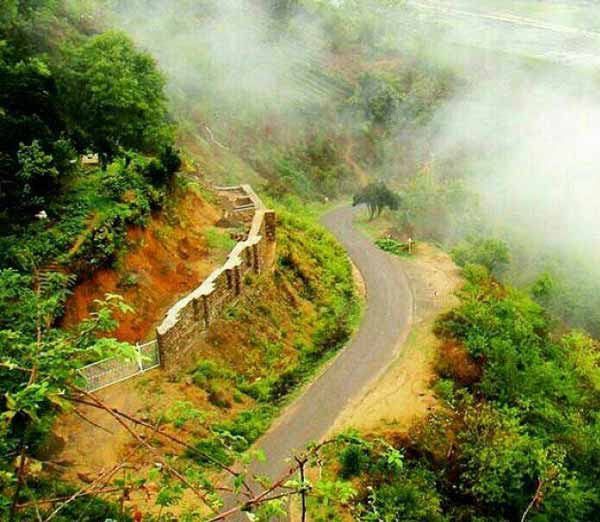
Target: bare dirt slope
x,y
164,260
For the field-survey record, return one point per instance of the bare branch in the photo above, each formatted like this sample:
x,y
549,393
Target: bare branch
x,y
67,497
202,496
536,499
96,425
103,478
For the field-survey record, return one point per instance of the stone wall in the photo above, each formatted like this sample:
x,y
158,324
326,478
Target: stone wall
x,y
193,314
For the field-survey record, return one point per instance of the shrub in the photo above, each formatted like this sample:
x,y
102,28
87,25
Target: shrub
x,y
218,396
218,240
410,498
247,427
286,382
475,273
211,448
454,362
353,460
392,246
260,390
492,253
206,370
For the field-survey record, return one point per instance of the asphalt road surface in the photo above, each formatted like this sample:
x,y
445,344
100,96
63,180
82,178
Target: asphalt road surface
x,y
384,327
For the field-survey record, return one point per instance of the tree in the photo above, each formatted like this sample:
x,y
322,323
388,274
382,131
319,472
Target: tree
x,y
37,174
377,196
380,98
113,96
30,126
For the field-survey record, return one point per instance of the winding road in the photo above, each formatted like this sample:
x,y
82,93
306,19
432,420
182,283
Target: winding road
x,y
385,325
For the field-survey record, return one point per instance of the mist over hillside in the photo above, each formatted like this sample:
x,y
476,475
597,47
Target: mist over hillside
x,y
520,123
229,58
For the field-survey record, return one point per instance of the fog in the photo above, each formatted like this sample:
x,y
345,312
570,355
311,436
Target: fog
x,y
531,129
532,134
537,150
226,59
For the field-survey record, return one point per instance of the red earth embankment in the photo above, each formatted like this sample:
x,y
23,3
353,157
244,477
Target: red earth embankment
x,y
163,261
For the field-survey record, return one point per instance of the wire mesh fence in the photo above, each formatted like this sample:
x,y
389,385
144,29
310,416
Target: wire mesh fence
x,y
113,370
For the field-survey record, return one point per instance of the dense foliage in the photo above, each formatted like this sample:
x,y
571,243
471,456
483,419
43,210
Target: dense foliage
x,y
516,437
113,96
65,91
61,98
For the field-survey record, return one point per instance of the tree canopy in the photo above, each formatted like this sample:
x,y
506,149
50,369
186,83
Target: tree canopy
x,y
113,97
377,196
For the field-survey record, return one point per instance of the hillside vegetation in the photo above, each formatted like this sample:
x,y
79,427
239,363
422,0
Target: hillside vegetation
x,y
246,369
310,101
93,255
515,434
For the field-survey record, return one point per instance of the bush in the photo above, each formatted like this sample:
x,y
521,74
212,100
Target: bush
x,y
475,273
212,448
219,240
411,497
392,246
353,460
494,254
218,396
260,390
206,370
247,427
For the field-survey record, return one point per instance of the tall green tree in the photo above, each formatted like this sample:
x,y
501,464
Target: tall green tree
x,y
113,97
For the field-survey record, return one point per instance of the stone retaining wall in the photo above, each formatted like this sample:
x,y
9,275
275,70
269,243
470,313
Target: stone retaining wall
x,y
193,314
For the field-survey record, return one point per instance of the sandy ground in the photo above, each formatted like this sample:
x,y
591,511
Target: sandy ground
x,y
87,448
402,395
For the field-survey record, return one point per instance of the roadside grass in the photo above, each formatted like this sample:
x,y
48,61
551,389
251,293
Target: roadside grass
x,y
219,242
377,227
279,336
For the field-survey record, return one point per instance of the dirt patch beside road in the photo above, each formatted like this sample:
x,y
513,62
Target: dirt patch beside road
x,y
402,394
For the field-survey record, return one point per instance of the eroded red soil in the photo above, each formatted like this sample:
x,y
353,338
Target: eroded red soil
x,y
164,260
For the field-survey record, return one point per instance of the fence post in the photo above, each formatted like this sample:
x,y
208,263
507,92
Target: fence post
x,y
139,357
157,352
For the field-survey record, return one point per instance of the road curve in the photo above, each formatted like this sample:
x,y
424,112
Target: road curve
x,y
385,325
